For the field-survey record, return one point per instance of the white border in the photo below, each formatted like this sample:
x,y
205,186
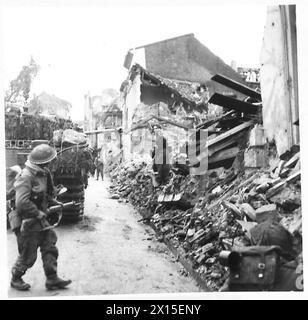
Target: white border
x,y
302,33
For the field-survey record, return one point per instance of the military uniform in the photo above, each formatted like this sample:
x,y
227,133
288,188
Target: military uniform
x,y
99,164
34,193
34,190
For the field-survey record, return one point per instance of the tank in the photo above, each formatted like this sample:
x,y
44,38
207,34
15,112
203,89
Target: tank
x,y
24,131
72,168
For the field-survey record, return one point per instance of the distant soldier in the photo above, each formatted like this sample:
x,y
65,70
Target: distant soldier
x,y
99,164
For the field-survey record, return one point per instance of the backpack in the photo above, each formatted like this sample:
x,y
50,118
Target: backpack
x,y
252,268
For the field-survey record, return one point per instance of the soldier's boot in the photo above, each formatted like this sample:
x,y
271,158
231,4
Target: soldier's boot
x,y
18,283
54,283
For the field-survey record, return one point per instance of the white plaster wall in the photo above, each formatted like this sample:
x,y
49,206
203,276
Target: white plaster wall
x,y
138,57
131,102
277,82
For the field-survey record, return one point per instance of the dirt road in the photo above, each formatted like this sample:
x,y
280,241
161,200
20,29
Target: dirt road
x,y
109,252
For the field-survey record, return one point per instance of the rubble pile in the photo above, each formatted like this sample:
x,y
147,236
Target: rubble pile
x,y
201,225
133,181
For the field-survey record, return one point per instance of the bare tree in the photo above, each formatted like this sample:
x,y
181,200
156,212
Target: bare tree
x,y
20,87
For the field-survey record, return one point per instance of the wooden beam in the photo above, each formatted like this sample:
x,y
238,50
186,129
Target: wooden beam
x,y
292,161
100,131
237,86
278,187
209,123
229,133
232,191
209,151
234,104
172,122
224,155
215,148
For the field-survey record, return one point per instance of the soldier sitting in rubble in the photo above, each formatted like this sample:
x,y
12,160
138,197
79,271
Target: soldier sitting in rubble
x,y
288,275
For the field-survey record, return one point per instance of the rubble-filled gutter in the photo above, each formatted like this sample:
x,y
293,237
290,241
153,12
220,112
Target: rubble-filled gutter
x,y
185,263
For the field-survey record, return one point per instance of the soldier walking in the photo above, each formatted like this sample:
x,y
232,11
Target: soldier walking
x,y
99,164
34,193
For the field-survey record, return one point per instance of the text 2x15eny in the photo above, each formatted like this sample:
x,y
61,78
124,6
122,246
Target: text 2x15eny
x,y
175,309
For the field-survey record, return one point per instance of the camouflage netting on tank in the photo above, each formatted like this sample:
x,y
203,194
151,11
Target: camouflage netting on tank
x,y
73,160
29,127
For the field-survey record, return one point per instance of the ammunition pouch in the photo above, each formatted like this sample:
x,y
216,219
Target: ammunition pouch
x,y
14,220
252,268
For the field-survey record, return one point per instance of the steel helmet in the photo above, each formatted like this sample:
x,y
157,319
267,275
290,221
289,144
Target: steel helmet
x,y
42,153
270,233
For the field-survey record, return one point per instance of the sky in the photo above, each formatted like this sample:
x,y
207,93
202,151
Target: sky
x,y
82,48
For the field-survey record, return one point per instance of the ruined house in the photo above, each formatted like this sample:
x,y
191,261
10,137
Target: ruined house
x,y
102,112
153,102
245,192
50,105
183,58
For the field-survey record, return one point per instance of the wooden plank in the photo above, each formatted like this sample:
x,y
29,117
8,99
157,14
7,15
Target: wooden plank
x,y
231,192
230,133
236,86
200,233
172,122
224,154
221,142
224,144
294,177
292,161
209,123
278,187
234,104
215,148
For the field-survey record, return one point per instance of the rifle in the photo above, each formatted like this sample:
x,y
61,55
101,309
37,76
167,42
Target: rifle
x,y
27,223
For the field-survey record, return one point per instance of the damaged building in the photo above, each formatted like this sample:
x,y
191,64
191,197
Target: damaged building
x,y
252,183
182,58
152,102
102,124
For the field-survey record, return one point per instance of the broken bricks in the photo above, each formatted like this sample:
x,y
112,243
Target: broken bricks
x,y
239,206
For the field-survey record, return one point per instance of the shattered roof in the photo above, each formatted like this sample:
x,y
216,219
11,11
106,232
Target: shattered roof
x,y
191,92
